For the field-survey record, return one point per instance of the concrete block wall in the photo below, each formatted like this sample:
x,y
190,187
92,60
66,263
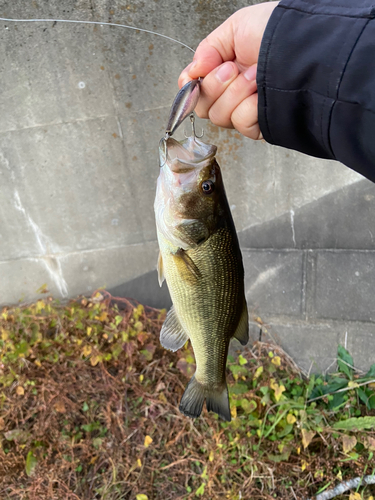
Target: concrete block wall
x,y
311,278
82,111
313,300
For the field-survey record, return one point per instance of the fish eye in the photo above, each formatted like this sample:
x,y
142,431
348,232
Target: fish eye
x,y
208,187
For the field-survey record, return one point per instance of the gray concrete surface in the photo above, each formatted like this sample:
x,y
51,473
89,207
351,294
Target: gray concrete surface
x,y
82,111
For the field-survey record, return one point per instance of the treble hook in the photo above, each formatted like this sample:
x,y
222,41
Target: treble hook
x,y
163,153
192,121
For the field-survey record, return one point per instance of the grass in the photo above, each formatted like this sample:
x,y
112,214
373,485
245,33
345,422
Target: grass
x,y
89,410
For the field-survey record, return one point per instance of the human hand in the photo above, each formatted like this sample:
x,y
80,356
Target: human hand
x,y
227,59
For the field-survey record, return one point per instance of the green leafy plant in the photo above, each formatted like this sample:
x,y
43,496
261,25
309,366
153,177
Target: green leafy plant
x,y
338,389
89,407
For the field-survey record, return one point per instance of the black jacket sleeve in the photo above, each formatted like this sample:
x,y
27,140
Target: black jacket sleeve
x,y
316,80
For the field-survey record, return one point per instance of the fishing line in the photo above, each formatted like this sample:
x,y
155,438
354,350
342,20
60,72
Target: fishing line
x,y
97,23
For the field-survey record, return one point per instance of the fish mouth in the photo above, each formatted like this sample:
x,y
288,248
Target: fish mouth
x,y
186,155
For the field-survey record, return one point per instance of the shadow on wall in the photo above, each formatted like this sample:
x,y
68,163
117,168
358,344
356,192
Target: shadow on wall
x,y
343,219
145,289
311,284
340,220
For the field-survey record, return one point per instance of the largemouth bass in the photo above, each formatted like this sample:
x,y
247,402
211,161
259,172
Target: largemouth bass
x,y
201,261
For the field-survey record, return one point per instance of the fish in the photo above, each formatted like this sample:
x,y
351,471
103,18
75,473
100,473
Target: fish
x,y
201,261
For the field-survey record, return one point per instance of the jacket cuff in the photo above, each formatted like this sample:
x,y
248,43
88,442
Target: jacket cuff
x,y
304,52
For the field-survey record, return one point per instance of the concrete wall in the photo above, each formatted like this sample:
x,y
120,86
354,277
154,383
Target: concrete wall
x,y
82,110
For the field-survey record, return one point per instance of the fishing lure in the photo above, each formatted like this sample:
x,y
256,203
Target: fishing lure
x,y
183,105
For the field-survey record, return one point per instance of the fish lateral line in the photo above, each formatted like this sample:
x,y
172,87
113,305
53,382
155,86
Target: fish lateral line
x,y
98,23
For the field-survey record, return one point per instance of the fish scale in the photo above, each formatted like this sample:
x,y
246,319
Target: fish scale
x,y
205,309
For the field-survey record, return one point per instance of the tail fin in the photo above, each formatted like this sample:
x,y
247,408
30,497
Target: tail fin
x,y
217,400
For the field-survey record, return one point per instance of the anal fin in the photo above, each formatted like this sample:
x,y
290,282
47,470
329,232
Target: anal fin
x,y
242,332
172,335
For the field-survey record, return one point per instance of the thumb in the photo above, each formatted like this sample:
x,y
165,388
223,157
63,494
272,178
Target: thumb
x,y
211,52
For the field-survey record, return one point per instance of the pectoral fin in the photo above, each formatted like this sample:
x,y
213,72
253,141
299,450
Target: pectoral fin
x,y
160,269
188,269
242,332
172,335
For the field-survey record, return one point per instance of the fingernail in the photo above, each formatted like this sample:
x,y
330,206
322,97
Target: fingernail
x,y
225,73
251,73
